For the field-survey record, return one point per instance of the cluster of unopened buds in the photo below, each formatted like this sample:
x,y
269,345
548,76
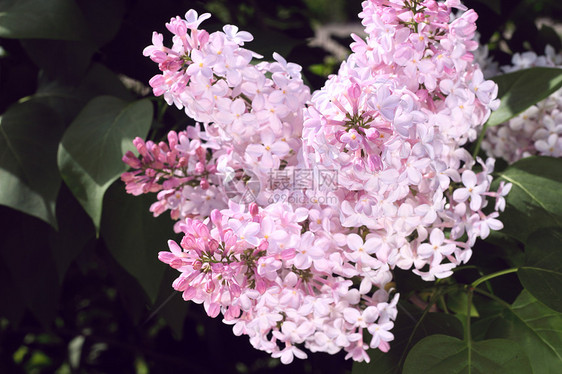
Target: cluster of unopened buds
x,y
536,131
296,208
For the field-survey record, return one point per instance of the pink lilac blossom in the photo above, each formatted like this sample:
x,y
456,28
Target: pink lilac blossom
x,y
536,131
370,175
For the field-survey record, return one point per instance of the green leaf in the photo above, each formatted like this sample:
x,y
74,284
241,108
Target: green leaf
x,y
535,327
40,19
441,354
29,180
69,99
534,199
134,237
91,149
75,232
388,363
521,89
68,60
60,59
542,273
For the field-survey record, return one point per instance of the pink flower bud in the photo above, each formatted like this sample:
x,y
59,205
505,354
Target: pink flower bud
x,y
172,139
182,162
204,184
213,246
374,162
201,229
197,264
210,287
130,159
216,218
164,147
254,209
141,146
234,290
201,154
199,168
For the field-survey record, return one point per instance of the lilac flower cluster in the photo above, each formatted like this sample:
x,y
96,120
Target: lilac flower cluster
x,y
302,273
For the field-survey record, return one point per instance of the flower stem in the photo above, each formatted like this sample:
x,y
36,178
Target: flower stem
x,y
477,282
493,297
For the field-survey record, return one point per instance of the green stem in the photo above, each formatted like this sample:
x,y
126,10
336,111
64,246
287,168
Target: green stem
x,y
493,297
443,304
477,282
464,267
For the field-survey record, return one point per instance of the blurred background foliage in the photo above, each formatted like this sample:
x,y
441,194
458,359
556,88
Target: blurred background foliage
x,y
81,289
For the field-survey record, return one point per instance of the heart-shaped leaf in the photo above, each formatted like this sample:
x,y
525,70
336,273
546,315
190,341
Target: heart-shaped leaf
x,y
542,273
91,149
441,354
533,326
134,237
40,19
29,180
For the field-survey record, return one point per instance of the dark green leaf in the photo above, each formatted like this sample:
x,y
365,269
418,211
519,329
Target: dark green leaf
x,y
60,59
41,19
68,99
542,273
68,60
534,200
521,89
533,326
134,237
92,147
101,81
75,231
441,354
29,180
